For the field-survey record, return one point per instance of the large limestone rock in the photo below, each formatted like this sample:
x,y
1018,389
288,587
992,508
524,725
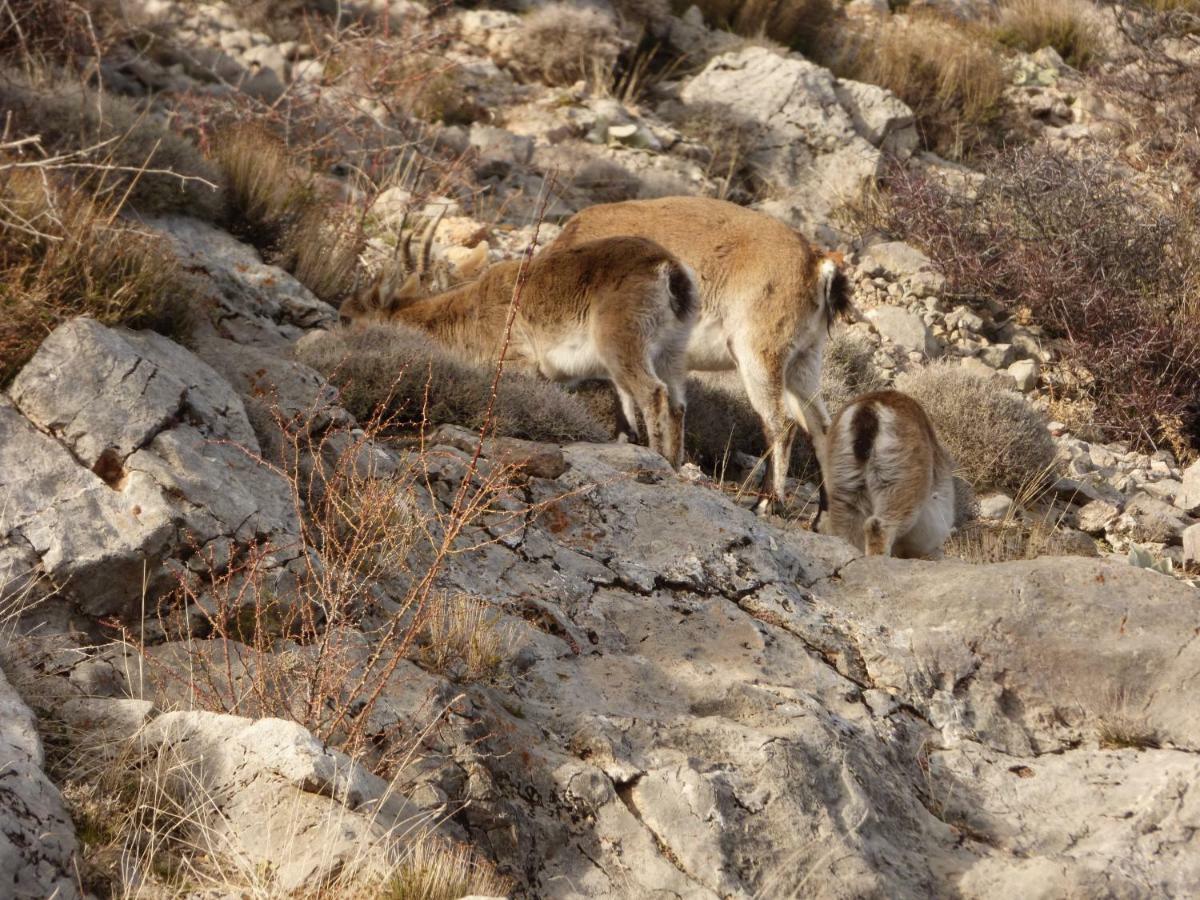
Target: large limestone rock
x,y
120,448
819,139
253,302
905,329
37,839
1189,501
748,710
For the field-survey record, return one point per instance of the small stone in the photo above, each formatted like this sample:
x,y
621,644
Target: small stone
x,y
995,506
998,356
1094,518
1190,498
905,329
1025,374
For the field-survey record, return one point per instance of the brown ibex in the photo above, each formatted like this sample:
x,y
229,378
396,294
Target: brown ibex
x,y
888,481
619,309
767,301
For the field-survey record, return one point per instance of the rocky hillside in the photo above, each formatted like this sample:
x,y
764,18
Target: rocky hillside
x,y
289,609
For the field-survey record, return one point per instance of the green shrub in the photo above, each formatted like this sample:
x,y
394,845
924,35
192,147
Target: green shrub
x,y
997,438
402,371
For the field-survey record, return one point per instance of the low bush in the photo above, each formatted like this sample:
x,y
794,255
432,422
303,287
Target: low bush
x,y
121,152
1080,247
797,24
277,205
64,255
402,371
997,438
729,140
951,78
848,369
1069,26
560,44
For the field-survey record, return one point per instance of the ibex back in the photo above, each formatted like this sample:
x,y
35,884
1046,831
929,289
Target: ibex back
x,y
620,309
767,301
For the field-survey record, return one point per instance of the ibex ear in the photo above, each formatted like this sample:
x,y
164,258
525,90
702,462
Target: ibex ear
x,y
475,262
407,292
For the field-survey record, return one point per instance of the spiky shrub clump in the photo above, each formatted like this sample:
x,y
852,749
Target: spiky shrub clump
x,y
402,371
560,44
275,203
798,24
997,438
62,255
1069,26
952,79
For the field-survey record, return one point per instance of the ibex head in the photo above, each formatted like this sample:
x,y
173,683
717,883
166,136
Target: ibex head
x,y
406,277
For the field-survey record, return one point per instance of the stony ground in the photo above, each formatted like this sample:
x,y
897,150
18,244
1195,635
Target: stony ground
x,y
684,700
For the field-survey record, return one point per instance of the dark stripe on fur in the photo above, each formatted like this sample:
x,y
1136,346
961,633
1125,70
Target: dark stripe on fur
x,y
839,298
683,292
864,427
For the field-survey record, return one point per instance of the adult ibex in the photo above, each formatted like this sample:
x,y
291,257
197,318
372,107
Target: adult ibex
x,y
888,481
619,309
767,301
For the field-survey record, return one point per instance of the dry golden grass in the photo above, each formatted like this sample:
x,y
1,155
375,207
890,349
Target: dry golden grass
x,y
435,870
277,205
1069,26
952,78
464,639
798,24
64,255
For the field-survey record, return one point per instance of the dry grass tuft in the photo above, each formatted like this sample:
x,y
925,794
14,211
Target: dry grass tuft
x,y
63,255
403,371
1069,26
436,870
952,78
848,369
797,24
560,44
728,140
998,439
279,207
464,640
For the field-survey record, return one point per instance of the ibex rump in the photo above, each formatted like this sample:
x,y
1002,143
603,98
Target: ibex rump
x,y
888,481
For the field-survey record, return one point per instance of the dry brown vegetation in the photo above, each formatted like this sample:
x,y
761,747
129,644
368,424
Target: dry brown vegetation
x,y
560,44
402,371
1069,26
997,438
124,155
62,254
951,77
728,141
1082,248
797,24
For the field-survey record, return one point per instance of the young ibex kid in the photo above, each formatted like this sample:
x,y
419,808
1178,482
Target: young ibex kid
x,y
888,481
767,301
618,309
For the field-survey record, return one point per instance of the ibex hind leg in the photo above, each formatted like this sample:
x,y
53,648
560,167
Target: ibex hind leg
x,y
764,390
627,416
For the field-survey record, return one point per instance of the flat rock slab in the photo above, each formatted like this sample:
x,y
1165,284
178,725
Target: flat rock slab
x,y
1027,657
